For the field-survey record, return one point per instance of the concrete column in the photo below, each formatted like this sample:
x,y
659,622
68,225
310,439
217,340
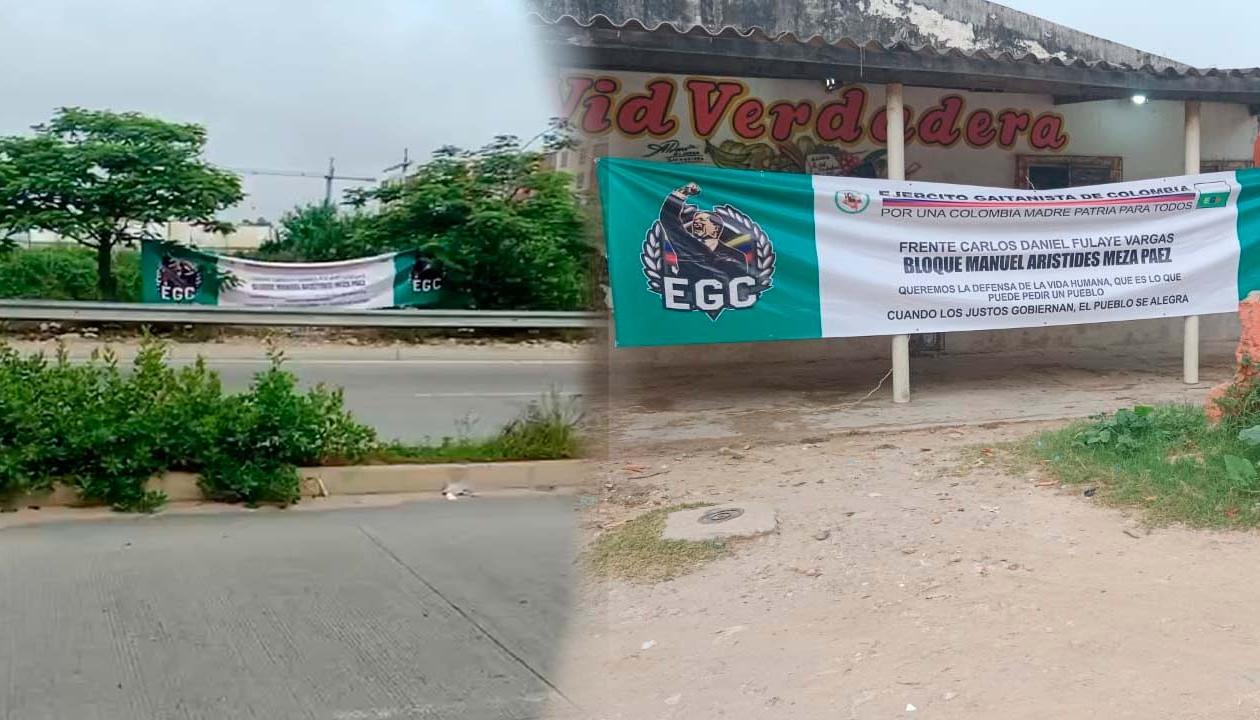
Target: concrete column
x,y
897,171
896,133
1190,335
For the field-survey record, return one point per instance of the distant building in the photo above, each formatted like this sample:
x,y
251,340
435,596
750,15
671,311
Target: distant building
x,y
246,236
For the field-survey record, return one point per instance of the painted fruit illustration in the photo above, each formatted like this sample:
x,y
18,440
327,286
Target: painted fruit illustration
x,y
805,155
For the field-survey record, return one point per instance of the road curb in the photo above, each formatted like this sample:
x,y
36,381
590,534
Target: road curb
x,y
382,479
370,480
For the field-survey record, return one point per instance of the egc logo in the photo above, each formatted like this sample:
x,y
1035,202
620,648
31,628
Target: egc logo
x,y
178,280
425,276
706,260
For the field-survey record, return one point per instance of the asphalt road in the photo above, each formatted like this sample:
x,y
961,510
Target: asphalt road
x,y
415,399
433,609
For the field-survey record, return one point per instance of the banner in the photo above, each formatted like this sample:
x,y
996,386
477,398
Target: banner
x,y
705,255
176,274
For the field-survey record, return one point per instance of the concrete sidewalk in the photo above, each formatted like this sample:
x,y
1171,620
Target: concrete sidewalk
x,y
796,401
422,610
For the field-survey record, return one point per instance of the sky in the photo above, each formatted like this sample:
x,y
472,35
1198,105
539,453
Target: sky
x,y
1204,33
286,84
283,84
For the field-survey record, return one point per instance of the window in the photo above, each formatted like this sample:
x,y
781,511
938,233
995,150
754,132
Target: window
x,y
1211,166
1050,172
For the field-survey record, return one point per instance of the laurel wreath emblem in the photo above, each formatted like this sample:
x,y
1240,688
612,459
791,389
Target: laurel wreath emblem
x,y
763,261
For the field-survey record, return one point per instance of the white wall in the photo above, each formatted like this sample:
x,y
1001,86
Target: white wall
x,y
1151,137
1229,132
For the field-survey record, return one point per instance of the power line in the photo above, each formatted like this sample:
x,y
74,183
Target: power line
x,y
327,177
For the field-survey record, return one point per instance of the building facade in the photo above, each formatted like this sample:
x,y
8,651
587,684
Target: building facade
x,y
986,96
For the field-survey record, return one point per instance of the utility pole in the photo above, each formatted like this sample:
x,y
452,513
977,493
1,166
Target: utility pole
x,y
403,166
332,173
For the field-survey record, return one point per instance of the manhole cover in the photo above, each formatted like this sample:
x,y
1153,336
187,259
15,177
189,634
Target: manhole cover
x,y
720,515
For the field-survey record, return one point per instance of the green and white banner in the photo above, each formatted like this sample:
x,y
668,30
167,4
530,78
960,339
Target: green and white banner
x,y
706,255
177,274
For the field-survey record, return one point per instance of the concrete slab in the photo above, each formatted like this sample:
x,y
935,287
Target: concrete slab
x,y
733,520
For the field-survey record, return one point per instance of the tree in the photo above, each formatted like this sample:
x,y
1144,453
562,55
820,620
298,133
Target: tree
x,y
507,231
103,179
315,233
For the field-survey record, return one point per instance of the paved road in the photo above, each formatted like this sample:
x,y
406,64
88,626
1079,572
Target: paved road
x,y
428,610
434,398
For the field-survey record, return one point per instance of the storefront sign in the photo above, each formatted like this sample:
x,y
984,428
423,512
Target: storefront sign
x,y
176,274
791,125
703,255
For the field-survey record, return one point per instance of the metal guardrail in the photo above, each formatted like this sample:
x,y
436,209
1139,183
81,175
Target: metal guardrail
x,y
140,313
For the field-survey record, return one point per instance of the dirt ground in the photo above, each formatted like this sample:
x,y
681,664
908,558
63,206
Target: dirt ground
x,y
963,592
943,587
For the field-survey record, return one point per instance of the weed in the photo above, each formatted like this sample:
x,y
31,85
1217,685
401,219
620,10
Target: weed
x,y
1123,432
1240,405
546,429
636,551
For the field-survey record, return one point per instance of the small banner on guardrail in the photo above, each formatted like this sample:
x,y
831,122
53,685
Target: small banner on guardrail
x,y
705,255
177,274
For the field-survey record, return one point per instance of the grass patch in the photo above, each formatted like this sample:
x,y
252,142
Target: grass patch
x,y
1167,461
636,551
547,429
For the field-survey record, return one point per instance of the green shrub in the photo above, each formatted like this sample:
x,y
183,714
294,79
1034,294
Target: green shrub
x,y
77,423
316,233
1123,432
266,433
65,273
106,431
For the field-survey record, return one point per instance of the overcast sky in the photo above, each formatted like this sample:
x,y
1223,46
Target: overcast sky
x,y
285,84
1205,33
282,84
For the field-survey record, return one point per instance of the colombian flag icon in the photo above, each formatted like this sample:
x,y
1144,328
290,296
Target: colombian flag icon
x,y
1212,194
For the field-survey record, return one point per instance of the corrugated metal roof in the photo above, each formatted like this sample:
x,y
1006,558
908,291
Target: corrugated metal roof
x,y
871,45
